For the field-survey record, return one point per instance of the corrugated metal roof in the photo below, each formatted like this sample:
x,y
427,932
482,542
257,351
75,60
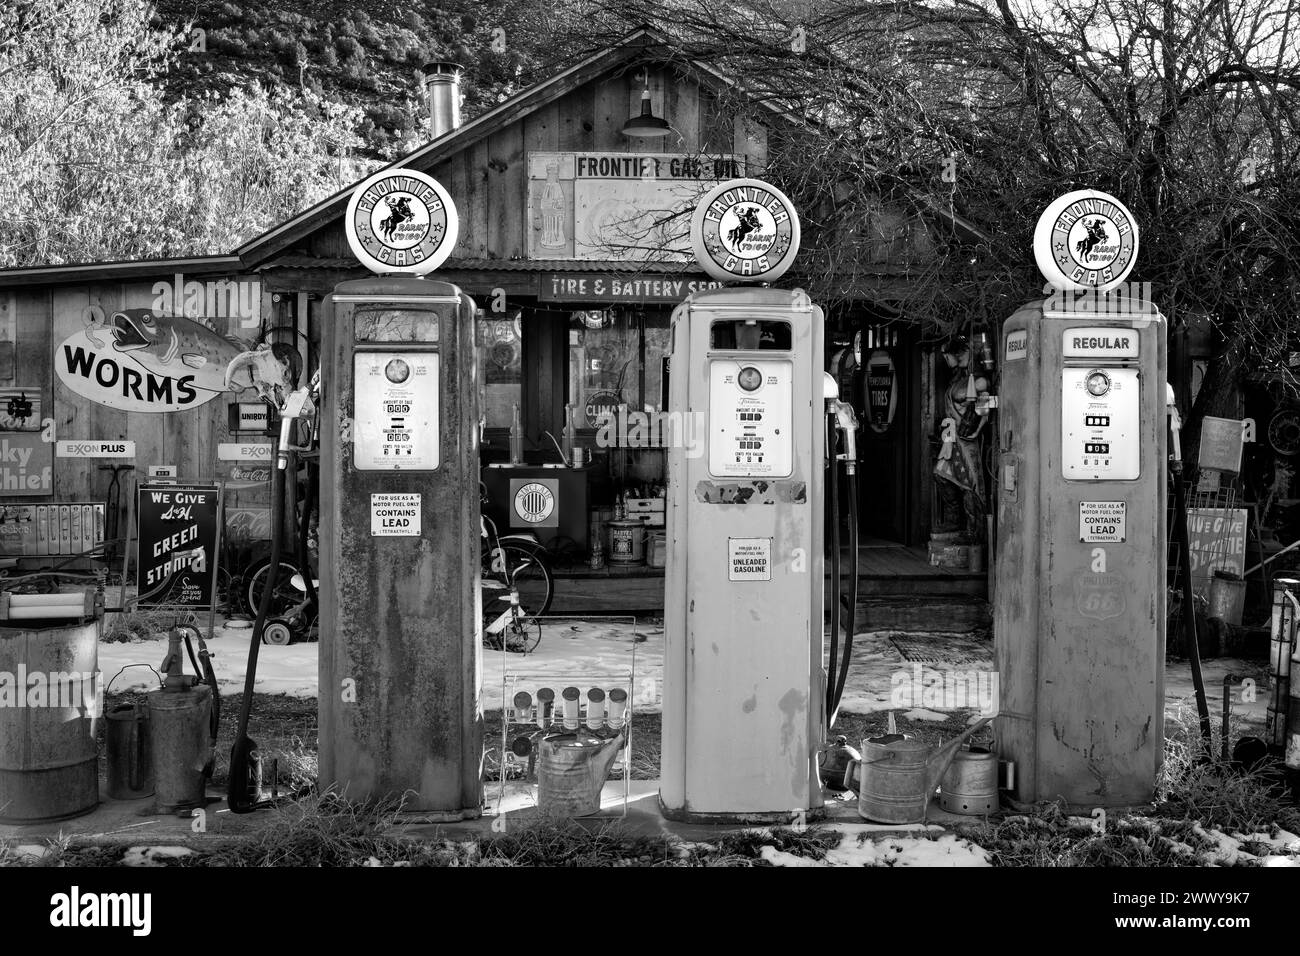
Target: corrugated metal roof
x,y
510,265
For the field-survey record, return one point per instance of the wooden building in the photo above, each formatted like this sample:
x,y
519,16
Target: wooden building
x,y
570,242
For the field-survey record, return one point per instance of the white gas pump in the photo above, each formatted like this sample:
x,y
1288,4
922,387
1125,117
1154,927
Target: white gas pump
x,y
744,695
400,665
1079,599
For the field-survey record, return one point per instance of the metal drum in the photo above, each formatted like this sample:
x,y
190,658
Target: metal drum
x,y
970,784
1281,646
49,761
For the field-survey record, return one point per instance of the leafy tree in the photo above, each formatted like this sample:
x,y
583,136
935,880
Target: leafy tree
x,y
96,165
1187,110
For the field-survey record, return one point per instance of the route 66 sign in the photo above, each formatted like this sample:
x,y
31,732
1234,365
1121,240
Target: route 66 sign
x,y
1099,596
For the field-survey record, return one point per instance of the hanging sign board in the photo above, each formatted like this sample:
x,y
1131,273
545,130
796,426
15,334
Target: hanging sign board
x,y
1085,240
1216,540
745,230
176,527
749,559
401,221
1221,444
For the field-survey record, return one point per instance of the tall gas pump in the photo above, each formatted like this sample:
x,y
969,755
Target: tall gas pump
x,y
744,683
400,665
1079,599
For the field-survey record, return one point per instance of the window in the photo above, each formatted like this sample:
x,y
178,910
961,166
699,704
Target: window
x,y
499,366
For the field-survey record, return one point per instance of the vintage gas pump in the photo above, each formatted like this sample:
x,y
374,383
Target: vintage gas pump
x,y
1079,599
399,540
744,684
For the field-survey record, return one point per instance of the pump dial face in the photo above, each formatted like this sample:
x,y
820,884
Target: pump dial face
x,y
1098,383
749,378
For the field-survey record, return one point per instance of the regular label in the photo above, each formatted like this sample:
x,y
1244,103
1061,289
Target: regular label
x,y
395,515
1017,344
749,559
1102,521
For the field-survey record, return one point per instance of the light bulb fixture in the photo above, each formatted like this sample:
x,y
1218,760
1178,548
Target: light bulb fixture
x,y
646,125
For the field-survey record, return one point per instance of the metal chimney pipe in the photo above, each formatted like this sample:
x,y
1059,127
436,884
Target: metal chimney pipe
x,y
440,83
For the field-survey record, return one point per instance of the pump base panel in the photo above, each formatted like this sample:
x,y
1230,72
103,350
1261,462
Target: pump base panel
x,y
679,815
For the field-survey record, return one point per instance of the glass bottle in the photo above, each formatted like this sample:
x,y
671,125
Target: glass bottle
x,y
553,209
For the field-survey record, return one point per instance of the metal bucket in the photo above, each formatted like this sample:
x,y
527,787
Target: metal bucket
x,y
626,542
1227,598
970,784
571,771
49,761
893,781
127,752
178,736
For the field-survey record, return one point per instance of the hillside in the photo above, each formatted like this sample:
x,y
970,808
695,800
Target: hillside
x,y
366,54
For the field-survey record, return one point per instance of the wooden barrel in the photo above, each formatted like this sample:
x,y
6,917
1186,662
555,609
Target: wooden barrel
x,y
50,702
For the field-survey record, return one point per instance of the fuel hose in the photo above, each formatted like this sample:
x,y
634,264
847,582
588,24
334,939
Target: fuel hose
x,y
244,788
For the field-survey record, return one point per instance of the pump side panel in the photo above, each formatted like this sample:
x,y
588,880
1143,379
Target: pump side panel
x,y
399,650
1101,659
745,634
1017,572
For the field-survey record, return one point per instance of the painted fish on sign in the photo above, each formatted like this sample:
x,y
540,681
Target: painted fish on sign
x,y
141,361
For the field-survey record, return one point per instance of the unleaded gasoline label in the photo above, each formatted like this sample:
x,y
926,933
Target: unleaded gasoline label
x,y
749,559
1102,521
395,515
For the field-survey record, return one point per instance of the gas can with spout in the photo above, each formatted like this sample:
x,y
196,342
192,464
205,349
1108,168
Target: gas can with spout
x,y
179,723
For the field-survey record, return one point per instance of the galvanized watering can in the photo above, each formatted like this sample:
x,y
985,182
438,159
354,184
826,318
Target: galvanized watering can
x,y
571,770
899,775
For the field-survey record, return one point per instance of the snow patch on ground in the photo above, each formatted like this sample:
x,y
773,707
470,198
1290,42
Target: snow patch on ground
x,y
154,855
947,850
921,714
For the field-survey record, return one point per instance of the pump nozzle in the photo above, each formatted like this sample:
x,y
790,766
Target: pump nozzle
x,y
1175,425
846,420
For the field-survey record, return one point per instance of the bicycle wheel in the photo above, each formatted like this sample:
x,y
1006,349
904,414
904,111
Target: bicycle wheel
x,y
286,595
527,574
